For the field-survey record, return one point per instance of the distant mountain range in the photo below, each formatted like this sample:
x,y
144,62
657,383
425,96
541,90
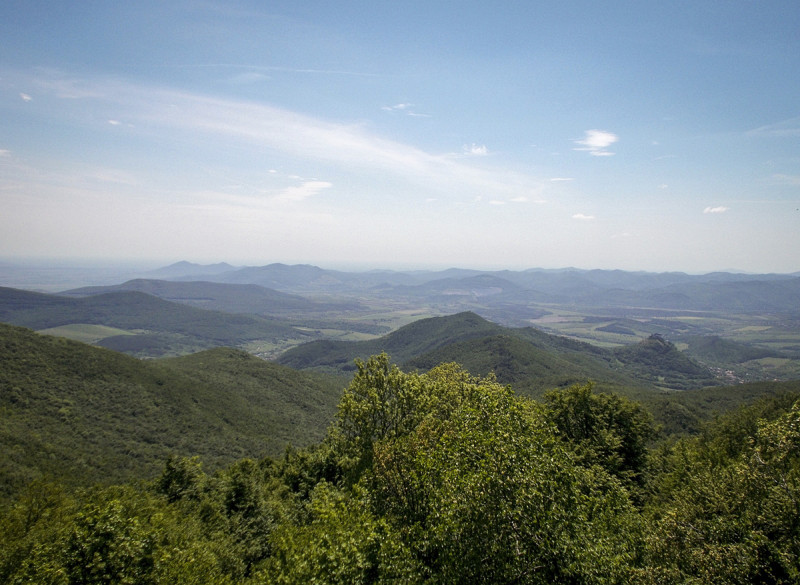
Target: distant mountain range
x,y
718,291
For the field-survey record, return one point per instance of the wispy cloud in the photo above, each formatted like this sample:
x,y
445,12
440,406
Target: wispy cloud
x,y
304,191
561,179
404,108
25,97
338,149
595,142
788,127
781,179
718,209
350,147
583,217
397,108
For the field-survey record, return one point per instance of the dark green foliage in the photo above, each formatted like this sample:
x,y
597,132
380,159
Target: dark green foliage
x,y
727,506
182,478
617,328
114,535
607,430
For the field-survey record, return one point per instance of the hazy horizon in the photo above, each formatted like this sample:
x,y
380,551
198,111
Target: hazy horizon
x,y
142,265
635,136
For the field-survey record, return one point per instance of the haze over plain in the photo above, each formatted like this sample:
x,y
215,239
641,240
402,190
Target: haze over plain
x,y
654,136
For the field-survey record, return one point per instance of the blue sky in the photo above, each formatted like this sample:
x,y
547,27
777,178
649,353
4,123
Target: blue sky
x,y
633,135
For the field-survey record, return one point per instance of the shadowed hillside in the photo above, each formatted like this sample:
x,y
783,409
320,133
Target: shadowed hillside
x,y
158,324
230,298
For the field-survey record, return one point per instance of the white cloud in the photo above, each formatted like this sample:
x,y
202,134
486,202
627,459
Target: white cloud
x,y
496,202
561,179
583,217
114,122
476,149
25,97
5,152
520,199
595,142
304,191
718,209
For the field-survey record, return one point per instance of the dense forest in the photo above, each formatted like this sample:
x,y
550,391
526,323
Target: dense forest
x,y
443,477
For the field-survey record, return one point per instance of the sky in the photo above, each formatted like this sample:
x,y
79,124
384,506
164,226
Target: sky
x,y
628,135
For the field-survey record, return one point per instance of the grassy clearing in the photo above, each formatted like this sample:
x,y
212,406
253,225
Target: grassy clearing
x,y
269,350
85,332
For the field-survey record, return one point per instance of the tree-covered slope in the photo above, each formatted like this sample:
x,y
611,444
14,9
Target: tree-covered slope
x,y
402,345
86,414
517,361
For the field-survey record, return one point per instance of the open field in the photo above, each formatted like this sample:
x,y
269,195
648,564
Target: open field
x,y
85,332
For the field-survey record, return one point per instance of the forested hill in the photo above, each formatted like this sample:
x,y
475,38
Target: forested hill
x,y
84,414
529,359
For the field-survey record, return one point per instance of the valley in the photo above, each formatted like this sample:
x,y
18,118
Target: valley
x,y
268,310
